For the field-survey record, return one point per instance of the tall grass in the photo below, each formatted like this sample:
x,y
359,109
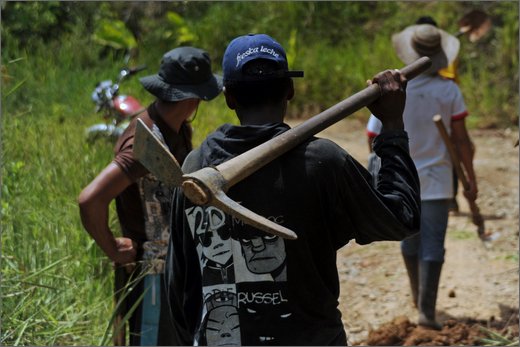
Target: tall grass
x,y
56,284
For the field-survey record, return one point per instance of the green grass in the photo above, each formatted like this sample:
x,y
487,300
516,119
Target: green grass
x,y
462,234
493,338
513,257
56,283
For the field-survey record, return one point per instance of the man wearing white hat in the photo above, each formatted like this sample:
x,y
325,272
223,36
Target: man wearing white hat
x,y
429,95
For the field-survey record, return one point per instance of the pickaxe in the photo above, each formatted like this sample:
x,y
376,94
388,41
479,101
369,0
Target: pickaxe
x,y
475,24
477,218
208,186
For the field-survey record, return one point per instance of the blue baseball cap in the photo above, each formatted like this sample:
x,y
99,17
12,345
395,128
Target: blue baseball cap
x,y
244,49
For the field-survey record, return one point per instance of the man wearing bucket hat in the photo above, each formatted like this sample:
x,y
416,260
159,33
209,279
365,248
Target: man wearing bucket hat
x,y
283,292
142,201
429,95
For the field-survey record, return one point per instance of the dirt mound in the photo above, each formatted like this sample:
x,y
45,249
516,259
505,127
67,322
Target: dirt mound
x,y
401,332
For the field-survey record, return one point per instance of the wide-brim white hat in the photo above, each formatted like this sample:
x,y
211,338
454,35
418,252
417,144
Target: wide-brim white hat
x,y
421,40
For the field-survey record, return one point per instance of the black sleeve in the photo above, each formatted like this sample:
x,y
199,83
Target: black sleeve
x,y
389,211
182,276
398,180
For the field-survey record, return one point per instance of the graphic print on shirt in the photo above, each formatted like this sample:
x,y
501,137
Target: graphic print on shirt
x,y
155,197
264,312
212,236
244,277
221,323
262,254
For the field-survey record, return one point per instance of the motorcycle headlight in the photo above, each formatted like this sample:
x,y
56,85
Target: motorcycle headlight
x,y
102,92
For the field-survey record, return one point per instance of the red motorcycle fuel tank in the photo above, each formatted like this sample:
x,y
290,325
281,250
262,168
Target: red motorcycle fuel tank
x,y
127,105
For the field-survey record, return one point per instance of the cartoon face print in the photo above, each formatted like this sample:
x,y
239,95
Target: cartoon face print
x,y
209,229
263,253
223,328
222,320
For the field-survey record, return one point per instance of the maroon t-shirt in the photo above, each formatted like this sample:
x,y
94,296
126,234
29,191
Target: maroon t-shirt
x,y
131,209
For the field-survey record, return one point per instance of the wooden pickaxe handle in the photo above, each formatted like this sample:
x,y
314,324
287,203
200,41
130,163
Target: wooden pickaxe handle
x,y
475,211
238,168
209,185
154,155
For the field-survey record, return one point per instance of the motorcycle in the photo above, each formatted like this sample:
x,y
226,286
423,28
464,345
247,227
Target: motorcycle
x,y
117,109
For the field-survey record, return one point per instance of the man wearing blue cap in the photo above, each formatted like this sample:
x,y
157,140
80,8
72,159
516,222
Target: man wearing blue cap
x,y
142,201
283,292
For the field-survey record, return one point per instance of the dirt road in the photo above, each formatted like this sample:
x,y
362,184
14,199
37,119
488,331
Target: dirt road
x,y
479,282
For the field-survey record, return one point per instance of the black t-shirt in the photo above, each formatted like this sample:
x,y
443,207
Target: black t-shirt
x,y
231,283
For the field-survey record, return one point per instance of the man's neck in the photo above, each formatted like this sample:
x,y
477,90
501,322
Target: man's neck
x,y
173,114
261,115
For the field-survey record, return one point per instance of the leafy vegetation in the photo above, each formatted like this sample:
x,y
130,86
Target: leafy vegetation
x,y
56,283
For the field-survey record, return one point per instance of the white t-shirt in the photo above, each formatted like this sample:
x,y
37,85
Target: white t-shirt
x,y
427,96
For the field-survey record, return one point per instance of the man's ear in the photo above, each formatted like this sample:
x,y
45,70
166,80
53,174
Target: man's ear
x,y
230,99
290,91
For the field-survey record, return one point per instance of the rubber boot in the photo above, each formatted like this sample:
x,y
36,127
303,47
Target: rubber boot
x,y
412,268
430,273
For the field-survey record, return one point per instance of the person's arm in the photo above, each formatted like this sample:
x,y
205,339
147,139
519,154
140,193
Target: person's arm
x,y
464,148
388,210
389,107
94,203
398,181
391,209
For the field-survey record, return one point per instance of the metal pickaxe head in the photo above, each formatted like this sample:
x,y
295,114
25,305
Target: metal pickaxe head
x,y
208,186
204,187
155,156
475,24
